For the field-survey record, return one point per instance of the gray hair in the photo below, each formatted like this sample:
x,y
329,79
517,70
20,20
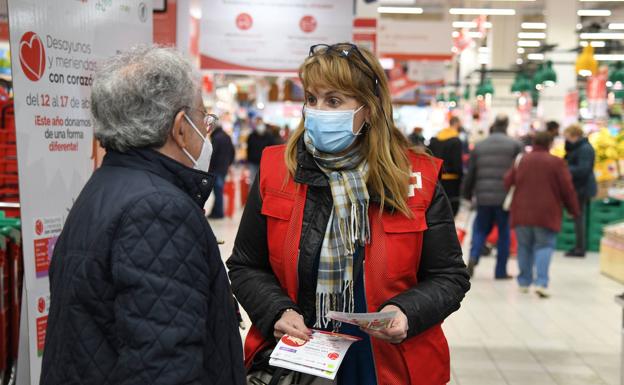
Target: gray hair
x,y
136,95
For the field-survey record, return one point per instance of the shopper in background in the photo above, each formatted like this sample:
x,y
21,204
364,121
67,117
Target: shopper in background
x,y
222,159
528,139
417,138
139,294
465,141
257,141
347,188
448,147
489,161
542,185
274,131
552,127
580,156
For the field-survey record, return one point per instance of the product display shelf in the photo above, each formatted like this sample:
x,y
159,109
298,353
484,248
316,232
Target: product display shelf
x,y
612,252
602,212
566,239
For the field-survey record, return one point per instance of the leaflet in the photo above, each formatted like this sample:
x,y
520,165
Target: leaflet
x,y
374,321
302,369
321,356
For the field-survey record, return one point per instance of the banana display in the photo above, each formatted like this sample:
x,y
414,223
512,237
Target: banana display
x,y
609,153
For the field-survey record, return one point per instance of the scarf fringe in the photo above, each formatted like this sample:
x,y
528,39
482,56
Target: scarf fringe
x,y
326,302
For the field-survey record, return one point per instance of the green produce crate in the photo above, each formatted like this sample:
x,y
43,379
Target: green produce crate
x,y
566,237
567,227
565,244
606,208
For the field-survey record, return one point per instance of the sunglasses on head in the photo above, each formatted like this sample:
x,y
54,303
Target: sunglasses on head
x,y
346,50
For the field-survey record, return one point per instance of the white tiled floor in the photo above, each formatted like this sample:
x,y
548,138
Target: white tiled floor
x,y
501,336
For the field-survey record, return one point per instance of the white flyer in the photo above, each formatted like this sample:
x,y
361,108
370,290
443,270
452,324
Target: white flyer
x,y
373,321
320,356
302,368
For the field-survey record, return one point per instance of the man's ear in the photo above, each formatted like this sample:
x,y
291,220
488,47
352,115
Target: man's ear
x,y
178,133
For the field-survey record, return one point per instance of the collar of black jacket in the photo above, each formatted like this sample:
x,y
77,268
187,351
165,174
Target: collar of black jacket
x,y
569,146
197,184
308,172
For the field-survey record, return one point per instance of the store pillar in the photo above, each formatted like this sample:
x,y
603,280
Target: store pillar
x,y
561,20
503,36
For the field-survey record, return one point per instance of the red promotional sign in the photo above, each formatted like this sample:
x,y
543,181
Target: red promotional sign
x,y
165,25
308,24
597,86
41,305
39,227
244,21
32,56
365,33
42,257
42,324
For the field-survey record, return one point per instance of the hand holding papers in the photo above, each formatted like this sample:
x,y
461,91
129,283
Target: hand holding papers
x,y
320,356
373,321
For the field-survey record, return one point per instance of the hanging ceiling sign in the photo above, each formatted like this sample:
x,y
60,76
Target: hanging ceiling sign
x,y
415,40
271,36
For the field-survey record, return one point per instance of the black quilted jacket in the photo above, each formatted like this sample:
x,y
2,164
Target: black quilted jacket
x,y
139,292
443,278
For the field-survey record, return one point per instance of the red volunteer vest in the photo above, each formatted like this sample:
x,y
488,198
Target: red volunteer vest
x,y
392,262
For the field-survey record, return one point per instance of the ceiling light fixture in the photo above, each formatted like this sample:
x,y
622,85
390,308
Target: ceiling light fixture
x,y
520,50
609,57
594,43
403,10
528,43
470,24
535,56
602,35
475,35
397,2
483,11
616,25
593,12
533,25
531,35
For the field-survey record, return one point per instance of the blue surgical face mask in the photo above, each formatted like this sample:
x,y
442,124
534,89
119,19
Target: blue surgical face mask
x,y
331,131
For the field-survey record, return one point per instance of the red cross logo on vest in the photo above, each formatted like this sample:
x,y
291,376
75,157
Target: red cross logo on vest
x,y
415,183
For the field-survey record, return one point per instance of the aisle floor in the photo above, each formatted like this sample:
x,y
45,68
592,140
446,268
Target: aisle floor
x,y
501,336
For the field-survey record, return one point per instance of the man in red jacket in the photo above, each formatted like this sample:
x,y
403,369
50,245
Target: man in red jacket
x,y
542,185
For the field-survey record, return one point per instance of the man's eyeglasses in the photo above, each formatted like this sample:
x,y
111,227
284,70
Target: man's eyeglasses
x,y
210,120
346,50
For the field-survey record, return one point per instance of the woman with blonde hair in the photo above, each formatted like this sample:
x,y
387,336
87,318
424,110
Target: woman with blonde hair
x,y
347,217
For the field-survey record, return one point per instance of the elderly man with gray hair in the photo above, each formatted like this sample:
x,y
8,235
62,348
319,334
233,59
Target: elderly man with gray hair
x,y
138,290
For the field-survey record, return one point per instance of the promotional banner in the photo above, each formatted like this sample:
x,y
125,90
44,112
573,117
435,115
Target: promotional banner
x,y
365,33
427,72
56,46
270,36
409,40
165,23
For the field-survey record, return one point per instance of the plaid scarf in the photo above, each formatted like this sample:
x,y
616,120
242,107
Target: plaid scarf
x,y
347,228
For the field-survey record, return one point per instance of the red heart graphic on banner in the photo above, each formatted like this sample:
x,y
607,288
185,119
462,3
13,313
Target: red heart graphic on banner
x,y
32,56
